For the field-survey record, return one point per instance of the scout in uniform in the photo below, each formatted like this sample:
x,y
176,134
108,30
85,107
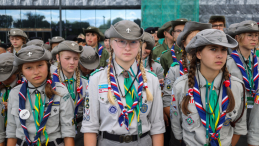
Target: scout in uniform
x,y
207,106
163,32
53,42
40,112
218,22
67,73
17,38
93,36
123,100
173,55
242,63
107,44
9,78
147,46
180,68
89,61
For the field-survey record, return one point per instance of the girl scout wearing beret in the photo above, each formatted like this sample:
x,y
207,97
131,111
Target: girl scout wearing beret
x,y
243,64
93,36
147,47
123,100
17,38
67,73
207,103
9,78
89,61
40,112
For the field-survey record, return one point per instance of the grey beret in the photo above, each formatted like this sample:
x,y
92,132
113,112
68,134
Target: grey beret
x,y
149,40
89,58
188,28
94,30
66,46
6,66
231,30
17,32
56,39
246,26
211,37
31,53
160,32
125,29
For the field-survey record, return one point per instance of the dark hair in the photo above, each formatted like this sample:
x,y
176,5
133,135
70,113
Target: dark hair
x,y
191,75
218,19
150,61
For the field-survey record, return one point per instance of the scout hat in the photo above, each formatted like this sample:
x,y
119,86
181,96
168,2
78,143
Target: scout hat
x,y
89,58
94,30
37,42
147,38
188,28
176,22
160,32
17,32
66,46
246,26
231,30
211,37
56,39
31,53
6,66
150,30
217,19
125,29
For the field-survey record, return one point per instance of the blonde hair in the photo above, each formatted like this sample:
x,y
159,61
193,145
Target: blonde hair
x,y
81,36
142,69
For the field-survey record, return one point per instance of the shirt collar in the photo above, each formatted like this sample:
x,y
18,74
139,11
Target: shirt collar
x,y
242,58
217,80
63,77
119,70
32,88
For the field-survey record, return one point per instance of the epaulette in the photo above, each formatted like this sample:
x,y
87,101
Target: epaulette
x,y
152,73
174,64
155,47
97,70
156,61
164,51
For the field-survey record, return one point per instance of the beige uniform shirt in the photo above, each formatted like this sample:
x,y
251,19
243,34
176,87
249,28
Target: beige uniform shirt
x,y
100,115
195,133
157,68
60,122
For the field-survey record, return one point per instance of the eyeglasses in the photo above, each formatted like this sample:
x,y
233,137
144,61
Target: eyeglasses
x,y
123,43
218,26
250,36
178,31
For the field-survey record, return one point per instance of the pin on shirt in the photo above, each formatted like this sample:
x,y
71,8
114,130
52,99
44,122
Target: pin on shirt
x,y
24,114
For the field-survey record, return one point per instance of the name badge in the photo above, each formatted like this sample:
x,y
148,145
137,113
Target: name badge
x,y
24,114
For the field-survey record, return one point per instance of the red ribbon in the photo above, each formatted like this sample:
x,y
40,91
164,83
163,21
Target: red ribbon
x,y
190,92
49,82
185,70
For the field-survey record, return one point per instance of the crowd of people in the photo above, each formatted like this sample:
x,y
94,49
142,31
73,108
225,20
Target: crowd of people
x,y
198,88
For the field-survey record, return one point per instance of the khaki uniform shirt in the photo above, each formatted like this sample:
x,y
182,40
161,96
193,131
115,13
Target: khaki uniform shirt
x,y
166,59
157,51
194,133
59,124
100,115
104,58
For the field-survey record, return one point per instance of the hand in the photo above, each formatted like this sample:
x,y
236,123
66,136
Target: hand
x,y
5,104
166,120
161,81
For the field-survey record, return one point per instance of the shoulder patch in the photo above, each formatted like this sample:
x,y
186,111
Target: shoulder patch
x,y
174,64
164,51
152,73
97,70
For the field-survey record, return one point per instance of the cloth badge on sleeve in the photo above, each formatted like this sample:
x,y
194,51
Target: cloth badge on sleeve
x,y
189,120
174,106
168,81
257,99
175,113
144,108
87,111
87,118
113,109
87,94
227,121
173,98
103,88
168,86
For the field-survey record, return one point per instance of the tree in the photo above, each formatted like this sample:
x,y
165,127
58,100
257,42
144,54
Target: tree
x,y
138,21
116,20
32,21
6,21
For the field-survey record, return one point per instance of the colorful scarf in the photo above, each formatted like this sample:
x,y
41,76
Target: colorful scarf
x,y
173,54
100,50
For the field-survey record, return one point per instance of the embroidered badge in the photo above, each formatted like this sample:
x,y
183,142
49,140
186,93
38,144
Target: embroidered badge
x,y
144,108
128,30
87,105
257,99
55,110
173,98
87,111
113,109
102,98
66,97
103,88
189,120
87,100
168,86
158,58
174,107
29,54
175,113
168,81
191,100
87,94
87,118
227,121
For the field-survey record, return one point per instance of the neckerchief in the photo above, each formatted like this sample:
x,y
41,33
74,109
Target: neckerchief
x,y
173,53
79,90
215,141
100,50
22,101
123,118
70,87
239,64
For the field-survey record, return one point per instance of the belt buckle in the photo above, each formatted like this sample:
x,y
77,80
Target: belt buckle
x,y
126,138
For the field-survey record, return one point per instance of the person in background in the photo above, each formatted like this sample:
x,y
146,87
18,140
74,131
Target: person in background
x,y
155,36
53,42
81,39
231,31
93,36
17,38
9,47
3,48
107,44
218,22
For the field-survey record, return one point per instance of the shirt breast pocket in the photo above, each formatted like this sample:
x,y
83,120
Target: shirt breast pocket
x,y
54,116
230,117
191,121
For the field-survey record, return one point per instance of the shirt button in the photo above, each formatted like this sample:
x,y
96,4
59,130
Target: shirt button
x,y
107,102
234,111
230,114
145,101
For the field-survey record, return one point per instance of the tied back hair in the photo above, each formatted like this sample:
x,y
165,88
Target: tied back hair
x,y
142,69
191,75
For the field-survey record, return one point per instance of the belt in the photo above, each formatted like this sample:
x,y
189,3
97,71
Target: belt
x,y
52,143
122,138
